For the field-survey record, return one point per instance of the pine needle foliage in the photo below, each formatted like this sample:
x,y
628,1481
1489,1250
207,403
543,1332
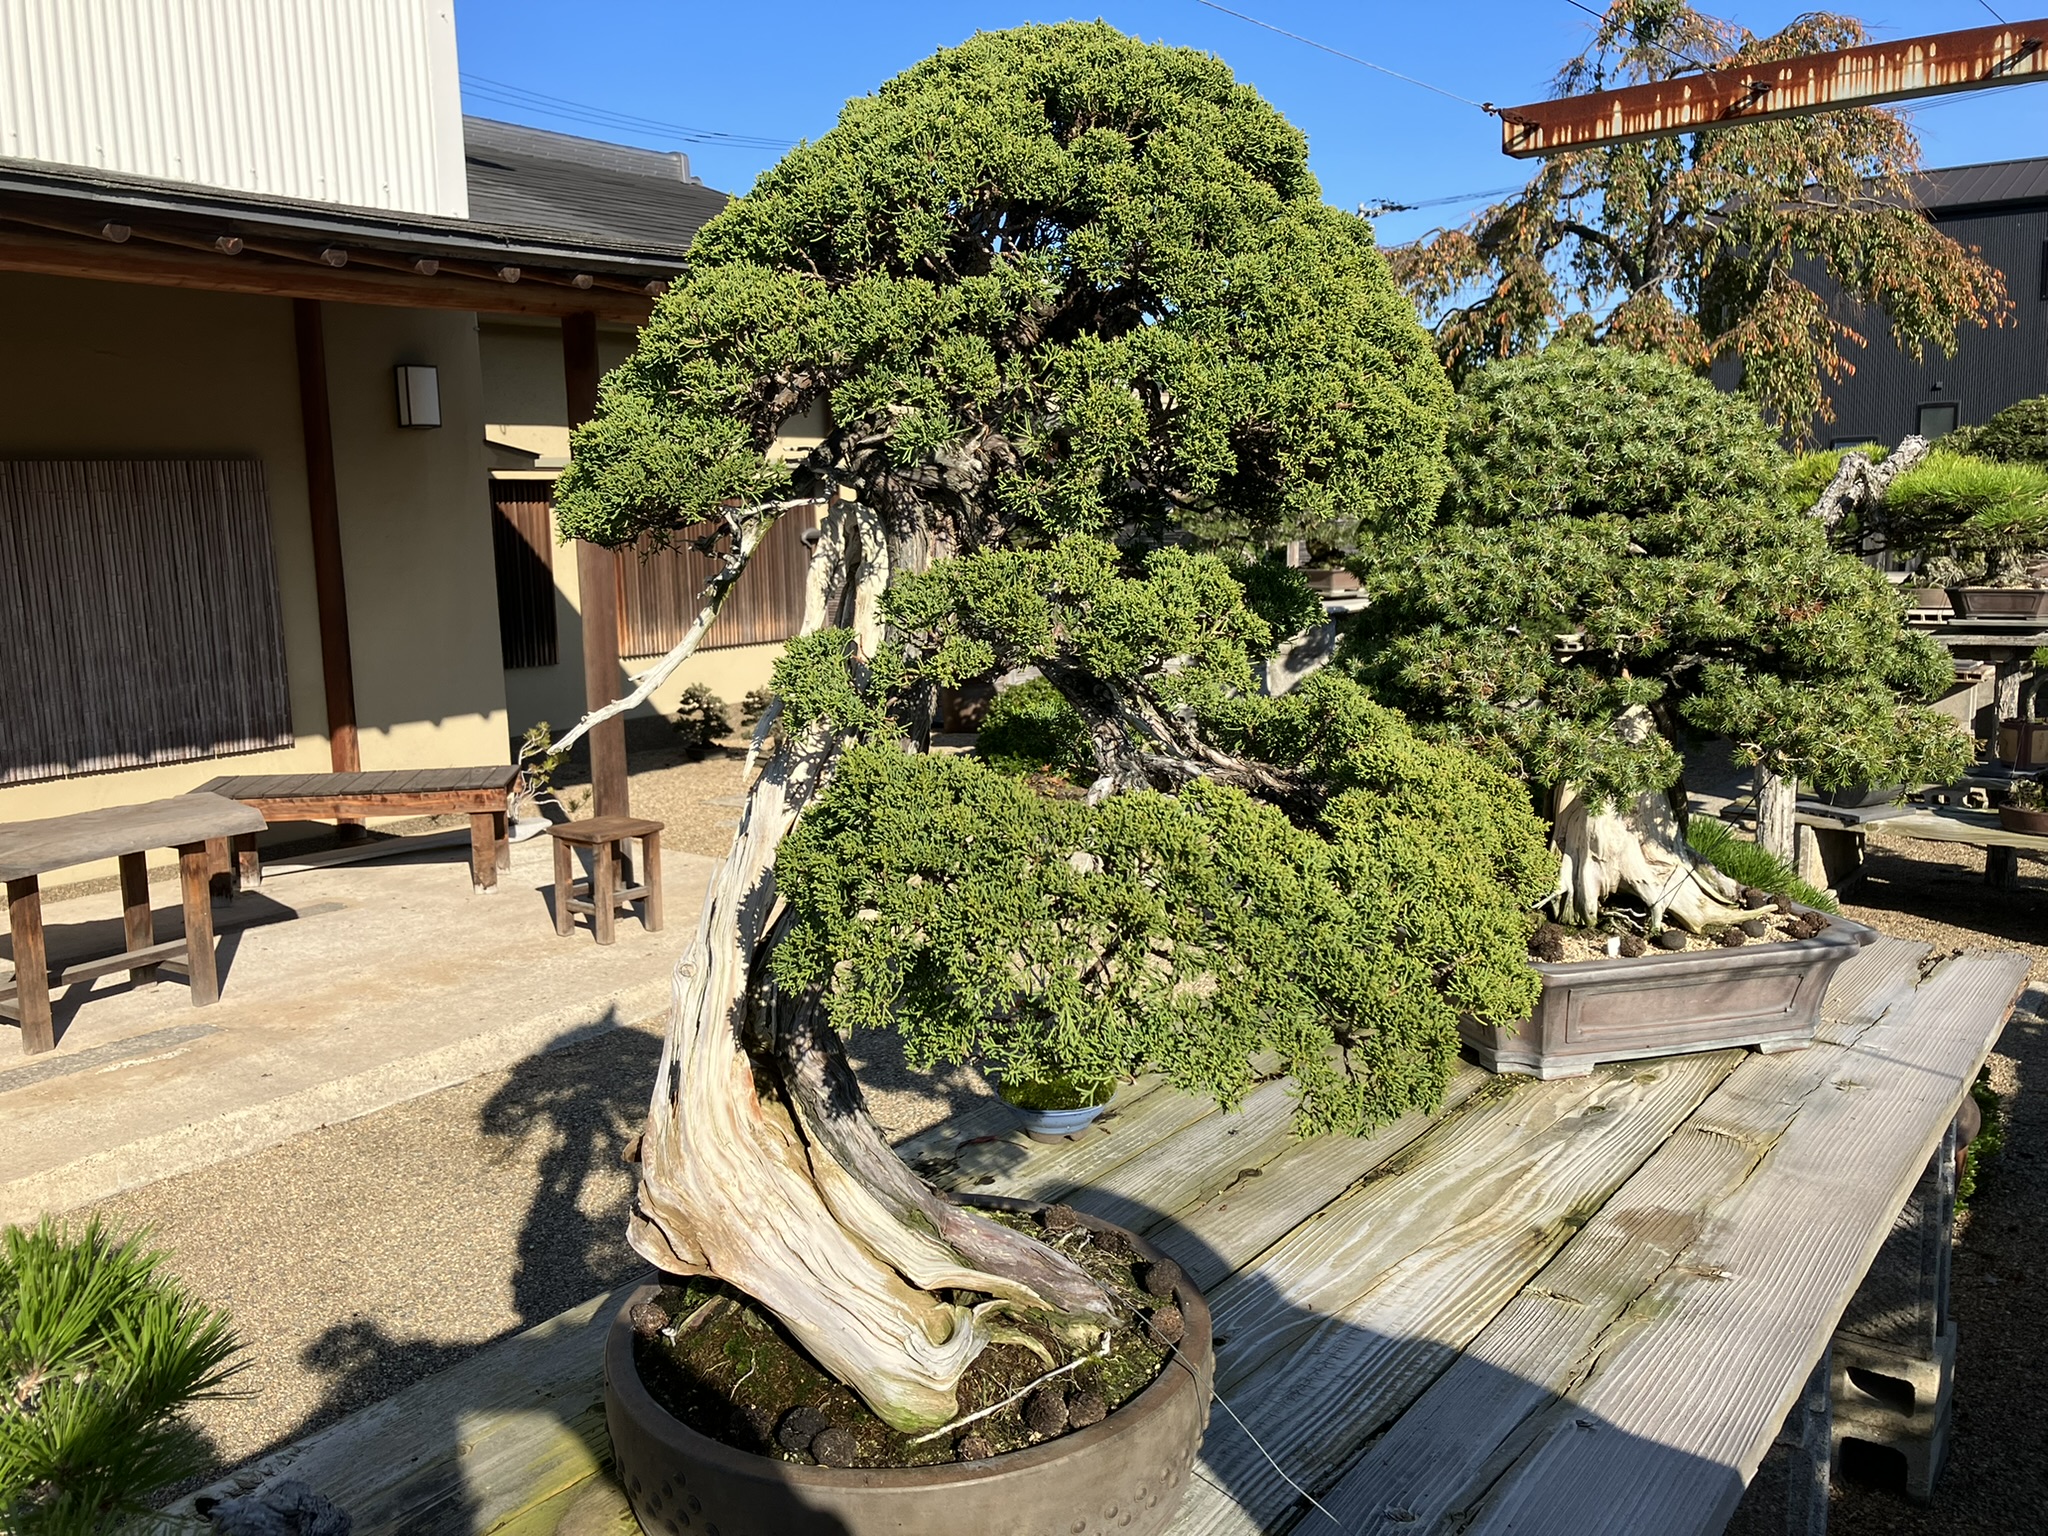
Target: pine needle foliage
x,y
1616,539
1181,930
1748,864
100,1353
1054,280
2016,435
1964,504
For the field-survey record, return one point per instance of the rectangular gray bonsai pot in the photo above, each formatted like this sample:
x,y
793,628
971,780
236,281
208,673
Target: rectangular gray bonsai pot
x,y
1617,1009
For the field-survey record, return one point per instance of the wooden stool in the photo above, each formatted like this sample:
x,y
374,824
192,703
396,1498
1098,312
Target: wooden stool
x,y
611,872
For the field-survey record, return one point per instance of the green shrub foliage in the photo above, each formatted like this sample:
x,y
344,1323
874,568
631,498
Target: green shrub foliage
x,y
701,718
1958,504
100,1353
1033,729
1615,567
1052,280
2016,435
1182,929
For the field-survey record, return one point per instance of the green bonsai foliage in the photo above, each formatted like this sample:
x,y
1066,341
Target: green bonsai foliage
x,y
1977,517
701,718
2016,435
100,1353
1183,927
1033,729
1052,280
1615,567
1747,864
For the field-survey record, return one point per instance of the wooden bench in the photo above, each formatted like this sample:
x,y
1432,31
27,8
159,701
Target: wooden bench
x,y
1836,837
483,794
1573,1308
30,849
611,884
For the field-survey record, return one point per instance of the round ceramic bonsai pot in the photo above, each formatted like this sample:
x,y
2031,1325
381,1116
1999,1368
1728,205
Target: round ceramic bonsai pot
x,y
1999,602
2013,819
1122,1477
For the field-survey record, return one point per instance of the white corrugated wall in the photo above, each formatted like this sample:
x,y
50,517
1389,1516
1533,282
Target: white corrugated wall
x,y
354,102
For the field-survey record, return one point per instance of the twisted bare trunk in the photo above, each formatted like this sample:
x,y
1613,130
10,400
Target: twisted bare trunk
x,y
1637,850
1777,820
759,1163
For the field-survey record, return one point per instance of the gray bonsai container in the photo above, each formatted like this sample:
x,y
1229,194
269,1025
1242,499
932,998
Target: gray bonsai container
x,y
1762,995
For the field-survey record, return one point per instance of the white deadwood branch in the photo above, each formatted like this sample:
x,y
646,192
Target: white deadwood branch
x,y
749,527
1859,484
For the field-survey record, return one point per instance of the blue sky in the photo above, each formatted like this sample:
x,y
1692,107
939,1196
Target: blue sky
x,y
780,71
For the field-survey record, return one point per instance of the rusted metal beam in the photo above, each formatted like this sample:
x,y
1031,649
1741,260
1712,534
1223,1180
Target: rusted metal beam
x,y
1975,58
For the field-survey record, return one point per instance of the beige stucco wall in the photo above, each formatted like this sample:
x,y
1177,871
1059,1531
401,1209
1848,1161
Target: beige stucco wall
x,y
526,407
115,369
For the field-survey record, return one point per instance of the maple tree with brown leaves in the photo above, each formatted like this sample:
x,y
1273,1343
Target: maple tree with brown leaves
x,y
1741,243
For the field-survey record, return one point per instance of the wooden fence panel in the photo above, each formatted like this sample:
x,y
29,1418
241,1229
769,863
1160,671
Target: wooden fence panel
x,y
139,615
659,587
523,547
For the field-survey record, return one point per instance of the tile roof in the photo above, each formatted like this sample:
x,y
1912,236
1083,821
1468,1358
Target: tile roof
x,y
529,179
1969,186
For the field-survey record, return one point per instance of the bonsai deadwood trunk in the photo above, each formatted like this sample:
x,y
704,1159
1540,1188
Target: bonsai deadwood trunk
x,y
759,1163
1638,849
1777,823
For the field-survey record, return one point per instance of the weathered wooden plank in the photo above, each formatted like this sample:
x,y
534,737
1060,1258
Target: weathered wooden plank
x,y
1027,1170
464,1450
1436,1461
935,1151
1245,1216
36,847
1684,1394
1339,1327
1882,974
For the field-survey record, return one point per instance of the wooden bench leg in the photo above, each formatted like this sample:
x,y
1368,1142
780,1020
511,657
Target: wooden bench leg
x,y
31,965
138,923
503,834
565,886
195,882
483,852
220,867
604,901
2002,867
248,862
650,876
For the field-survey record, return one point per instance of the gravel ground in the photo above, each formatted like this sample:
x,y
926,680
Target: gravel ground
x,y
1996,1480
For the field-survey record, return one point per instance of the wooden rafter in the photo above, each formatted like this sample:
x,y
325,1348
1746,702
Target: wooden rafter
x,y
1943,63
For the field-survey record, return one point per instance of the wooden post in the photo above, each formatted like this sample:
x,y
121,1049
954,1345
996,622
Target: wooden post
x,y
195,884
597,577
31,965
138,923
330,592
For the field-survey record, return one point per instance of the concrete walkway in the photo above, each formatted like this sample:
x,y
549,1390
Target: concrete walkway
x,y
344,990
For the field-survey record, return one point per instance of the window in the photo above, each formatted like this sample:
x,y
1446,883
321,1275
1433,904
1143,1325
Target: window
x,y
1937,420
659,587
139,616
523,546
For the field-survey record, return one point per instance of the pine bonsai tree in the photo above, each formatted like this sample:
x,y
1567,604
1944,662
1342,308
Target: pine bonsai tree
x,y
1613,570
1053,287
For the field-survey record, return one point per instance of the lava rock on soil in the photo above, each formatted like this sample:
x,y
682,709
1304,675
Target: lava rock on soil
x,y
1087,1408
1633,947
647,1319
1547,943
1046,1413
1159,1277
1168,1324
1733,938
1757,927
799,1427
1114,1244
1060,1218
1671,939
1754,899
974,1448
835,1447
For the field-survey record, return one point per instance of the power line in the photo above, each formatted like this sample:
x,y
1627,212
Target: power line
x,y
1684,59
1994,15
1377,206
1484,106
504,94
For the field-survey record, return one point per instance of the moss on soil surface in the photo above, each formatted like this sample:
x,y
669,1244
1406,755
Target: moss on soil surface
x,y
737,1377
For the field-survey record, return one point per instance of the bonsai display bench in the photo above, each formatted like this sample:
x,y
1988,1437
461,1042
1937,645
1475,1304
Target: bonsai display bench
x,y
1585,1305
482,794
125,833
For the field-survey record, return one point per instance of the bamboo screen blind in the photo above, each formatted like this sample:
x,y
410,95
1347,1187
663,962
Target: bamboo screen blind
x,y
659,588
138,616
523,546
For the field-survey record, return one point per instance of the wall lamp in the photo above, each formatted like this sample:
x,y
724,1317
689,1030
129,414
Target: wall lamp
x,y
419,396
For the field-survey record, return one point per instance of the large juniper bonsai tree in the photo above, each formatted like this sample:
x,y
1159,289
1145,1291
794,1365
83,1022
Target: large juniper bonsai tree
x,y
1613,570
1053,287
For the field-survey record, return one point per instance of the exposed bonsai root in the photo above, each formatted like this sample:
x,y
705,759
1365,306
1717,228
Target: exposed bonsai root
x,y
1639,852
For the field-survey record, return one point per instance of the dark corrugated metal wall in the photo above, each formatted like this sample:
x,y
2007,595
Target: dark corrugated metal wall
x,y
139,615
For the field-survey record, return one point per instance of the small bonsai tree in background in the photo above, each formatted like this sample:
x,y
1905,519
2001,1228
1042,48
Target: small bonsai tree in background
x,y
100,1354
2016,435
1613,570
1971,520
1052,283
700,720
